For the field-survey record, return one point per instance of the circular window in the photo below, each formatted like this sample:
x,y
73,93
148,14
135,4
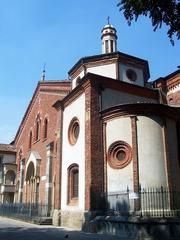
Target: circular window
x,y
119,154
73,131
131,75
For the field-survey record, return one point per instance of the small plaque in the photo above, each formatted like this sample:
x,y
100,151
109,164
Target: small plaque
x,y
133,195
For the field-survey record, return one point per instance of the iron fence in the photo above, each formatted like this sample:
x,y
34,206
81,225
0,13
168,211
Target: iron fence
x,y
150,202
25,211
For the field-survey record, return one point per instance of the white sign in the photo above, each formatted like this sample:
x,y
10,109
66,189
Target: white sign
x,y
133,195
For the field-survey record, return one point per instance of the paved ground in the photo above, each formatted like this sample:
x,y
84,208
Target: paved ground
x,y
17,230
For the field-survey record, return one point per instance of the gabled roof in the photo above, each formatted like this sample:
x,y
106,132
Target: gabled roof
x,y
57,86
108,56
7,148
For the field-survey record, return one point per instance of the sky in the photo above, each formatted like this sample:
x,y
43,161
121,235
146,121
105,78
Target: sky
x,y
59,33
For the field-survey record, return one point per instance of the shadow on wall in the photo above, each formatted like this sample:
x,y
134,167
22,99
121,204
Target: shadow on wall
x,y
128,226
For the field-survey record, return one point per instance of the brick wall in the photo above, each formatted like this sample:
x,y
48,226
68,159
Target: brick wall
x,y
45,96
174,98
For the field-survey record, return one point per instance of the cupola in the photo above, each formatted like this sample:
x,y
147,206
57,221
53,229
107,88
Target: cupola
x,y
109,38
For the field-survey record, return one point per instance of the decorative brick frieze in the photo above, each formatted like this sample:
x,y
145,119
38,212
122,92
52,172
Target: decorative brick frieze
x,y
170,86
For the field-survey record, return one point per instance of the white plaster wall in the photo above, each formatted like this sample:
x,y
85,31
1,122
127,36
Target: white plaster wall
x,y
9,158
151,152
108,70
112,97
81,75
74,153
119,179
173,152
123,77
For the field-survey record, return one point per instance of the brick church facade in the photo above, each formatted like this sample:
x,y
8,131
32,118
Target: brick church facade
x,y
103,130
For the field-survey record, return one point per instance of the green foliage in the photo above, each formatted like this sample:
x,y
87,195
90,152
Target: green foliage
x,y
159,11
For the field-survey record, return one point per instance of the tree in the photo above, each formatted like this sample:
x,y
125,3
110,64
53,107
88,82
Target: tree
x,y
159,11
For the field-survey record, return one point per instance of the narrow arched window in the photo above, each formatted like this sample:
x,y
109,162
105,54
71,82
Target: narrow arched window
x,y
37,128
45,128
30,140
73,184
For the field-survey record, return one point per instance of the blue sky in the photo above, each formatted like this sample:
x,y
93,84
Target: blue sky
x,y
59,32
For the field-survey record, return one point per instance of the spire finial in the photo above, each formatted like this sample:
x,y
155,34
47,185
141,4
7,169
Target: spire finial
x,y
43,73
108,20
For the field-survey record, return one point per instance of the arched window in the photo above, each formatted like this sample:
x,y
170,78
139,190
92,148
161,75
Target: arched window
x,y
45,128
10,177
30,171
73,184
38,121
30,140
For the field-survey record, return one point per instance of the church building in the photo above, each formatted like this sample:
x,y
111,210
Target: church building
x,y
102,131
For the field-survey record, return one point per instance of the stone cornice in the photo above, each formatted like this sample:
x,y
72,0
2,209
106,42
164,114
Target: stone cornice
x,y
144,109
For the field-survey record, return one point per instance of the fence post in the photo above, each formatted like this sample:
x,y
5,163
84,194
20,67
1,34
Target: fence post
x,y
162,198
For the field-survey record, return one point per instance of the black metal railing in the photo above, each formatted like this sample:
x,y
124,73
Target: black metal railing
x,y
149,202
25,211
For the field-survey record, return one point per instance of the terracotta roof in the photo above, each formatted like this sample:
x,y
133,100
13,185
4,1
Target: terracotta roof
x,y
7,148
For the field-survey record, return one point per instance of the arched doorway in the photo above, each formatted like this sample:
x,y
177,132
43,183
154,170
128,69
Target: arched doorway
x,y
30,184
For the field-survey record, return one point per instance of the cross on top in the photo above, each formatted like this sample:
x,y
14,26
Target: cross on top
x,y
108,19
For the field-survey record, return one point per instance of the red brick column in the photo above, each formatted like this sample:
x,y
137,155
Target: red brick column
x,y
135,160
93,149
58,161
167,160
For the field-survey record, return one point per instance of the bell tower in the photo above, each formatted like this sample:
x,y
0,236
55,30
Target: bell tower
x,y
109,38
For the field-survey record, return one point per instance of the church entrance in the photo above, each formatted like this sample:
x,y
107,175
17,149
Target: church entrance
x,y
32,187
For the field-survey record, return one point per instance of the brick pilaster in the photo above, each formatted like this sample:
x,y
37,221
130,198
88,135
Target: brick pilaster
x,y
135,160
93,149
167,160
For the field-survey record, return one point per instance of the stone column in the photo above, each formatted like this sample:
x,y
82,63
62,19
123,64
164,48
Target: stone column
x,y
21,183
48,190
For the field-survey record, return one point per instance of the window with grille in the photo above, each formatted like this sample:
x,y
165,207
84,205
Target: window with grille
x,y
73,184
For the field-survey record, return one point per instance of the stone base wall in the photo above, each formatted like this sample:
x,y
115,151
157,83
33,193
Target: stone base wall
x,y
72,219
56,217
137,228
